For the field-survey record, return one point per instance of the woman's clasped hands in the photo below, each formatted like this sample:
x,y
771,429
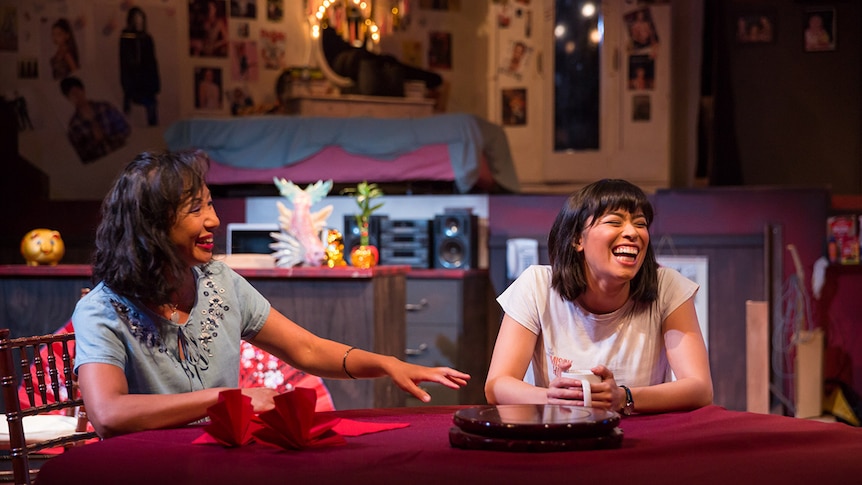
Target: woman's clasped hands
x,y
604,393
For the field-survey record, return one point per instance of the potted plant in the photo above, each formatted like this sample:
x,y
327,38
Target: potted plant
x,y
365,255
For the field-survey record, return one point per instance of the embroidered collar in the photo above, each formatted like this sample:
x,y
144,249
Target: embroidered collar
x,y
192,352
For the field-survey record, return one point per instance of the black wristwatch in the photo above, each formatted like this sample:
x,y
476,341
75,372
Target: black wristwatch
x,y
629,407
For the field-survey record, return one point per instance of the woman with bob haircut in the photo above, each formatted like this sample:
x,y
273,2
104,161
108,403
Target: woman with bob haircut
x,y
606,306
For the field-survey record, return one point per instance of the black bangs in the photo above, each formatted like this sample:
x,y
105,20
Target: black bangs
x,y
610,195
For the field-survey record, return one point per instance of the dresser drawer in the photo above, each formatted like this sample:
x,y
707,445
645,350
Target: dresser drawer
x,y
432,345
434,301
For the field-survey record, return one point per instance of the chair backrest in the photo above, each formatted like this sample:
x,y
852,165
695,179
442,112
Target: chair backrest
x,y
23,361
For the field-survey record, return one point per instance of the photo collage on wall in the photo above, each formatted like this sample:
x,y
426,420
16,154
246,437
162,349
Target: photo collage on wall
x,y
516,46
643,50
115,61
220,30
227,54
63,82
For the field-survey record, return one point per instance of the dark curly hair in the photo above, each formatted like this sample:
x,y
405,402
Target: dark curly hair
x,y
134,255
591,203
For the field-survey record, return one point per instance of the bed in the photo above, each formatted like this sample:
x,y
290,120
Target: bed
x,y
465,150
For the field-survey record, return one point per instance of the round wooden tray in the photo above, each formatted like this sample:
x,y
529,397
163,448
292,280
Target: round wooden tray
x,y
536,421
458,438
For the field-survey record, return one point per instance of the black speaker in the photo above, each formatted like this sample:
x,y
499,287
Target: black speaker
x,y
352,234
456,241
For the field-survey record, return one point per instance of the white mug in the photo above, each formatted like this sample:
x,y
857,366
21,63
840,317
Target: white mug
x,y
587,378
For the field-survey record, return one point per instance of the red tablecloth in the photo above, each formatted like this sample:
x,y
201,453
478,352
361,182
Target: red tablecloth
x,y
708,446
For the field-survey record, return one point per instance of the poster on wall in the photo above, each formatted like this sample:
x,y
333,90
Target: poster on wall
x,y
208,88
272,49
514,103
96,127
240,100
274,10
641,107
8,28
137,54
64,56
244,65
641,73
819,32
641,29
244,9
756,27
208,35
514,60
440,50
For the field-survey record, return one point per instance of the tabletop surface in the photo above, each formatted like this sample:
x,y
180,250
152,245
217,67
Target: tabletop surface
x,y
709,445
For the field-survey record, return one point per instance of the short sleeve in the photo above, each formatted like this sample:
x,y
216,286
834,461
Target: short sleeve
x,y
674,290
524,299
254,307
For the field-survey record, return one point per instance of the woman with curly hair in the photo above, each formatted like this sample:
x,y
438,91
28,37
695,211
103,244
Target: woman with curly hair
x,y
159,335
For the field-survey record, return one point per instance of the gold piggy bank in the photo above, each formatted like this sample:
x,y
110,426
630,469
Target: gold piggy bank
x,y
42,246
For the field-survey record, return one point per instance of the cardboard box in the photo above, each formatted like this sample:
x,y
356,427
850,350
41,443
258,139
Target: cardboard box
x,y
809,373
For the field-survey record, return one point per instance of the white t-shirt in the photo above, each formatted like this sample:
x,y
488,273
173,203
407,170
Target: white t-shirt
x,y
630,344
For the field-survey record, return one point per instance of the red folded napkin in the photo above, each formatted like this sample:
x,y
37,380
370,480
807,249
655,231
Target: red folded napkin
x,y
294,425
230,420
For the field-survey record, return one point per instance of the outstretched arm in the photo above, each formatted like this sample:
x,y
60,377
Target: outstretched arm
x,y
326,358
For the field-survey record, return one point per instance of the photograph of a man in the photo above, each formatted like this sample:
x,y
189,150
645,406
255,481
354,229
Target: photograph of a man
x,y
97,128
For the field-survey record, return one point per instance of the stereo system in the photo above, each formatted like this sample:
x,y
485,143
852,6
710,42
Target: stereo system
x,y
449,241
406,242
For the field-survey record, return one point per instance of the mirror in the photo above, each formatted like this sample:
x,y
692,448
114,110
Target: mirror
x,y
337,27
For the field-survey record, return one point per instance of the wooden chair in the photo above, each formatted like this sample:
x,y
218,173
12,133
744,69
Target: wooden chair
x,y
20,359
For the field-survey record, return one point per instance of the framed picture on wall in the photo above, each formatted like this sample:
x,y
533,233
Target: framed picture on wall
x,y
755,27
819,30
514,104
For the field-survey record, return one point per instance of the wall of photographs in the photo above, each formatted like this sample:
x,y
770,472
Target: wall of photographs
x,y
533,46
138,66
141,65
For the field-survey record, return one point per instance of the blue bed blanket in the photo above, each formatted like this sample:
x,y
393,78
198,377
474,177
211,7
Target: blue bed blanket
x,y
269,141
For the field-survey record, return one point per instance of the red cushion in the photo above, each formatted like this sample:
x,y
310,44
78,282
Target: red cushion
x,y
258,368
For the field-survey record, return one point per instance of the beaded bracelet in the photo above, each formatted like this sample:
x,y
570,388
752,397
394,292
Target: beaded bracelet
x,y
344,363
